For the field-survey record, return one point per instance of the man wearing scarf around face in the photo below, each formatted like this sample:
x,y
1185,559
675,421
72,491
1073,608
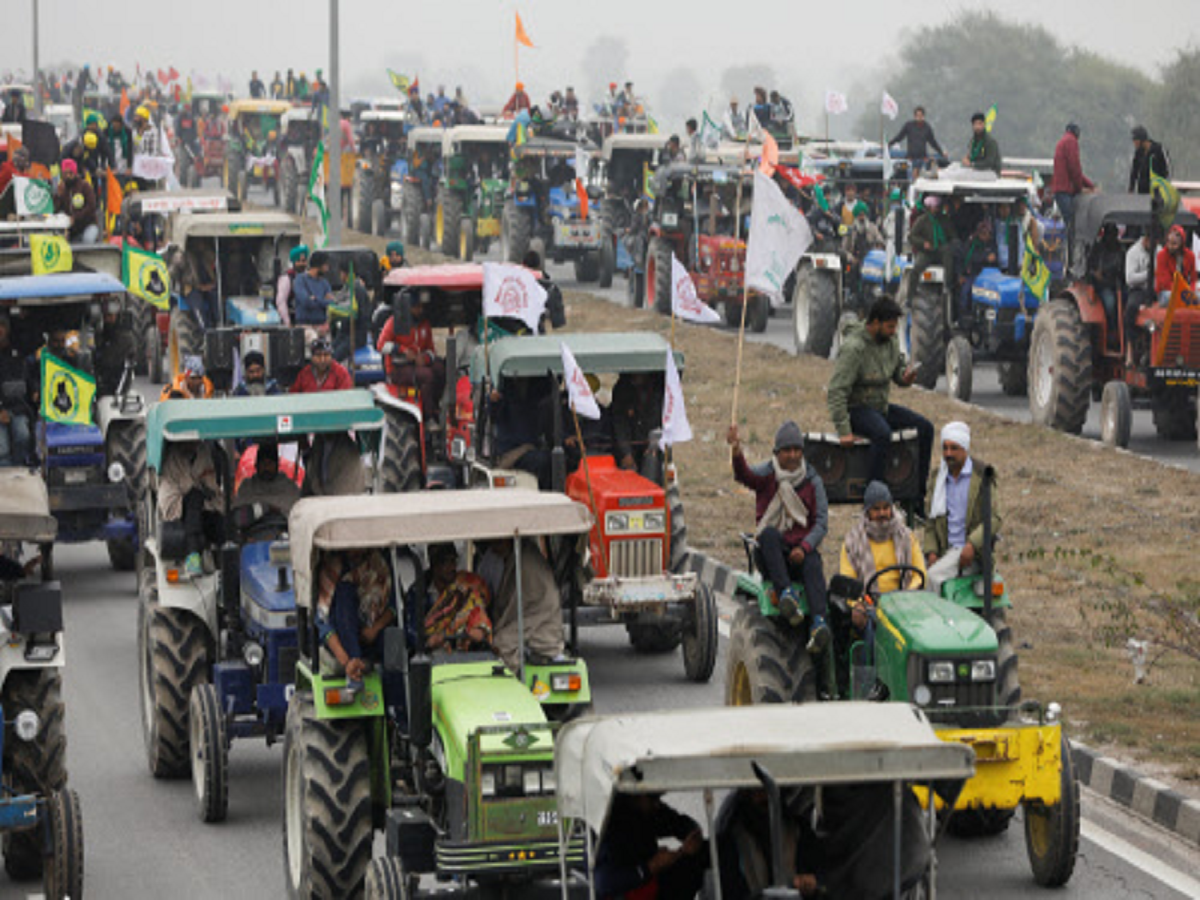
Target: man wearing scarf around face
x,y
954,533
793,517
880,539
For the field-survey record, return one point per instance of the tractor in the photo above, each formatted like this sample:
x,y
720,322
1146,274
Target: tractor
x,y
1077,355
217,652
449,754
299,136
627,162
418,179
92,457
695,219
951,654
543,209
251,148
40,816
351,327
381,147
635,575
471,190
206,157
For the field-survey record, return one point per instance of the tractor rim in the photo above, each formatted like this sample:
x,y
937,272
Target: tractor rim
x,y
1043,381
197,754
440,223
294,814
462,244
1038,823
801,316
740,687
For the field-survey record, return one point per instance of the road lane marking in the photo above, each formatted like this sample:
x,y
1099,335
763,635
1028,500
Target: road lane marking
x,y
1140,859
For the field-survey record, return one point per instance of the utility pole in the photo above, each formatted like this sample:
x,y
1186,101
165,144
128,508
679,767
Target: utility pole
x,y
37,87
334,112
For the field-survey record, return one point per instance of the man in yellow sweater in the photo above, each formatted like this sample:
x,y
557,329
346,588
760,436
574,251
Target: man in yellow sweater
x,y
876,541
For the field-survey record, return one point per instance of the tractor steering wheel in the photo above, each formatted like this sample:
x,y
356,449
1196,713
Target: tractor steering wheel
x,y
905,572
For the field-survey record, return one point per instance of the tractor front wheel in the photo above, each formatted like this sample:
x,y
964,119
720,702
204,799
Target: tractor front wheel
x,y
814,312
654,637
959,368
700,637
608,260
1013,379
387,880
1052,832
401,468
62,879
658,277
1116,414
927,336
768,662
126,446
759,314
208,741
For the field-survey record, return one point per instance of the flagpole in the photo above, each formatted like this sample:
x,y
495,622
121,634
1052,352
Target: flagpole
x,y
737,234
587,474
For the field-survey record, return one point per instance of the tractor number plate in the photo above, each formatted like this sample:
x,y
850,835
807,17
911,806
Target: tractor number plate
x,y
670,219
78,476
547,818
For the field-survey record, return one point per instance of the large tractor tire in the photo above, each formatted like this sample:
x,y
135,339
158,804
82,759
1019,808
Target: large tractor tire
x,y
679,549
326,804
516,233
152,350
960,369
1014,378
33,767
1052,833
412,204
1060,368
814,312
172,660
126,444
587,268
700,636
450,213
927,336
387,880
381,220
767,661
1174,417
401,468
425,232
658,277
185,337
208,747
759,313
291,187
63,878
608,258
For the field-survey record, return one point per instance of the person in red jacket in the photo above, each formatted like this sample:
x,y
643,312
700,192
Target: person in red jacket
x,y
518,101
411,360
323,373
1068,180
17,166
1174,257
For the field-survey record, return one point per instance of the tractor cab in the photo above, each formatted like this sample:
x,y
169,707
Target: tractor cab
x,y
252,145
450,752
636,548
382,147
471,191
839,784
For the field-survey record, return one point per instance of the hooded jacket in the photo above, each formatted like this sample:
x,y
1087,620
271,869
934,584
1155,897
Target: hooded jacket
x,y
863,375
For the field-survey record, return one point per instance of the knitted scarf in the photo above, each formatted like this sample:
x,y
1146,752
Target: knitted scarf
x,y
865,533
785,507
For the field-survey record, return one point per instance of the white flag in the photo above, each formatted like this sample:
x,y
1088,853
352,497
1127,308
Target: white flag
x,y
512,292
581,163
675,427
889,107
579,392
685,303
779,235
835,103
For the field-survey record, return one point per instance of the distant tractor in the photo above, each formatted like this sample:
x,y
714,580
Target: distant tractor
x,y
471,191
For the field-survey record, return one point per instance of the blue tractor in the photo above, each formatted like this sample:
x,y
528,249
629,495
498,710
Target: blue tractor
x,y
91,454
217,650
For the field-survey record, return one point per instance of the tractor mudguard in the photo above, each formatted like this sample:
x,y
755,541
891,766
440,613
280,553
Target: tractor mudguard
x,y
962,591
758,590
384,396
555,684
367,703
111,409
197,596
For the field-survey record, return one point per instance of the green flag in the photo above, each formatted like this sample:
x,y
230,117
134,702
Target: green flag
x,y
67,393
316,192
1034,271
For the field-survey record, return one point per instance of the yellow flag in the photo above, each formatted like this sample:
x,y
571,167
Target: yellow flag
x,y
989,120
67,393
146,276
51,253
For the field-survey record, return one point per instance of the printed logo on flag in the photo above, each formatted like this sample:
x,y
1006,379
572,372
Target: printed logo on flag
x,y
512,298
51,254
37,198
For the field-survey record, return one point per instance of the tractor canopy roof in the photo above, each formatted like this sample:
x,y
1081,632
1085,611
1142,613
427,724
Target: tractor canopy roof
x,y
975,189
425,135
299,114
103,258
1093,211
456,292
384,115
616,143
233,224
258,417
25,507
274,108
47,290
543,148
426,517
474,134
810,744
597,354
455,277
194,200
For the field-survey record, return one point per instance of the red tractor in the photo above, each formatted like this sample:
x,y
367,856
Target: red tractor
x,y
694,218
1078,354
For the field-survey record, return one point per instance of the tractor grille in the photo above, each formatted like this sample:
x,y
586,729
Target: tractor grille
x,y
1183,343
288,656
636,558
962,703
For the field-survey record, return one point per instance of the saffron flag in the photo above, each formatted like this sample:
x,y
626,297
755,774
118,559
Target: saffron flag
x,y
779,236
889,107
316,192
1034,271
836,103
522,34
51,253
146,276
67,393
675,426
685,302
512,292
770,156
989,118
124,107
579,392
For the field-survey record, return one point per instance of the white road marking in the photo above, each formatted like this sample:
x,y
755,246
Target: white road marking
x,y
1140,859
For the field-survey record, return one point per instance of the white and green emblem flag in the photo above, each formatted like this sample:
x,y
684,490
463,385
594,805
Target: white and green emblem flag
x,y
316,192
779,235
33,197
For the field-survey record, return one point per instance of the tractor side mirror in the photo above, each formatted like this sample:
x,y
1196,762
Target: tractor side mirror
x,y
845,587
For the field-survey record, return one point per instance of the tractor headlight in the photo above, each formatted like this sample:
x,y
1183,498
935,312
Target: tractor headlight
x,y
27,724
487,784
922,696
941,672
616,523
252,653
654,521
983,670
116,472
533,782
548,783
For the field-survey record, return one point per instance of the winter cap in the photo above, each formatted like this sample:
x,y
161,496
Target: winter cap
x,y
254,358
788,436
194,366
877,492
1140,133
298,251
957,433
861,209
395,247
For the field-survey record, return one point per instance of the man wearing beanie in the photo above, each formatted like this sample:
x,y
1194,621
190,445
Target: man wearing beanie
x,y
954,533
792,517
878,540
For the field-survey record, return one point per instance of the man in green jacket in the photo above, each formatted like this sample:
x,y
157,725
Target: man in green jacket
x,y
954,533
984,152
868,364
933,240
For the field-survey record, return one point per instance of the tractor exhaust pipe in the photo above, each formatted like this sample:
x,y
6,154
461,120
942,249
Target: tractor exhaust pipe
x,y
989,568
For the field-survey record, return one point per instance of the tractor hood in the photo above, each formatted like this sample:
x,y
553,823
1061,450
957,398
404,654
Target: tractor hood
x,y
999,291
931,626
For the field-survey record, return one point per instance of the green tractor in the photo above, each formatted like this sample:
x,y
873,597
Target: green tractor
x,y
951,654
451,755
471,190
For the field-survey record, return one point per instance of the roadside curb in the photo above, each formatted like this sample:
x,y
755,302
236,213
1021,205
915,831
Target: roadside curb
x,y
1142,795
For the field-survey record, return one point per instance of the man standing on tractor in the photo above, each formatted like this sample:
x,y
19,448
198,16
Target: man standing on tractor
x,y
868,364
285,292
518,101
954,533
792,518
1149,157
782,114
323,373
76,198
146,141
188,492
411,359
191,382
1174,257
1068,180
984,153
258,90
313,293
734,126
15,436
277,87
919,137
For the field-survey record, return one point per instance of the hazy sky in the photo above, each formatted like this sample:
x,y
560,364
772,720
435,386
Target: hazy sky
x,y
811,46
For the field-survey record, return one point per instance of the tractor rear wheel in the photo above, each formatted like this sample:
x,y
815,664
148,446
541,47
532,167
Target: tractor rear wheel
x,y
152,349
959,368
759,313
654,637
326,804
733,314
466,240
412,202
33,767
208,744
700,637
185,337
126,445
587,267
425,232
291,187
658,277
1052,833
608,258
516,233
1014,380
1116,414
1060,368
1174,418
450,212
63,878
172,659
381,220
401,467
768,662
387,880
814,312
927,336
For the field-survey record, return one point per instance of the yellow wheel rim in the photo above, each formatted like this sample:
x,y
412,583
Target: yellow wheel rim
x,y
462,245
739,690
440,223
1037,823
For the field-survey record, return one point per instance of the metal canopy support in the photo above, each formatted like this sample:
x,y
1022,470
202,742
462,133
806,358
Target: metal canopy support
x,y
334,114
